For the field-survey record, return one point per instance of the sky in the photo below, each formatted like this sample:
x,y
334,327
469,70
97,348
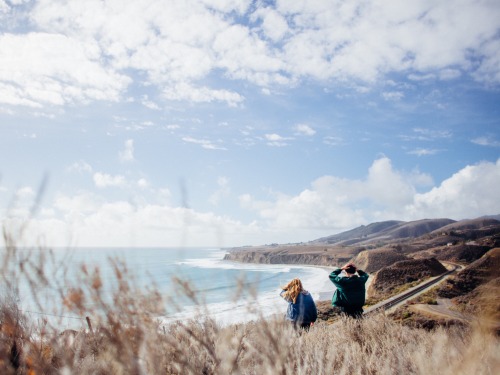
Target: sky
x,y
224,123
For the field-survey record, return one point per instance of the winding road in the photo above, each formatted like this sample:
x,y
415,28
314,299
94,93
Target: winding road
x,y
397,300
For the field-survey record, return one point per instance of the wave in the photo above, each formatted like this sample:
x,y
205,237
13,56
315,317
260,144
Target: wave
x,y
216,260
267,301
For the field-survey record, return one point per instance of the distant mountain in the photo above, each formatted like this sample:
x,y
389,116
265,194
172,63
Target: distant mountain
x,y
384,231
496,217
360,233
413,229
478,223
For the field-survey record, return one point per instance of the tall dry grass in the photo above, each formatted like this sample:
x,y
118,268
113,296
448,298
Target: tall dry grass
x,y
127,335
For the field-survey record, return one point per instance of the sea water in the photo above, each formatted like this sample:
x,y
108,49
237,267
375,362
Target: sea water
x,y
214,281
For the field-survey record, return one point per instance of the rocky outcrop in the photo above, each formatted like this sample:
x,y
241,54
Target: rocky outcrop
x,y
269,257
374,260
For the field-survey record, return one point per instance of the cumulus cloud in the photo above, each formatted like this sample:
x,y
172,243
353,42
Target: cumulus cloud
x,y
334,204
468,193
41,69
304,129
175,46
88,220
274,25
329,205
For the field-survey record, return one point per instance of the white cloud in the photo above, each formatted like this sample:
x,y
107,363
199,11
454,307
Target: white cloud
x,y
94,50
393,95
333,204
486,141
447,74
88,220
274,25
205,143
184,91
423,152
172,127
304,129
425,134
77,205
466,194
80,167
142,183
103,180
128,153
276,140
51,69
146,102
329,205
23,193
339,203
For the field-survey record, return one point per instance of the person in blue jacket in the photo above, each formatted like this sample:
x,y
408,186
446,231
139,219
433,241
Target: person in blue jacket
x,y
350,293
301,310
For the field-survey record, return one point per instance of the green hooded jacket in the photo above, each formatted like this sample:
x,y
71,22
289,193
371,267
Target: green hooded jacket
x,y
350,290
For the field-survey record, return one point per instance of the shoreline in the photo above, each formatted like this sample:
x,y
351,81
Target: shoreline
x,y
322,296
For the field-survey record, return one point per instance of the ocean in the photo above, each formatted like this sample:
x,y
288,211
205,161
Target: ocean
x,y
214,280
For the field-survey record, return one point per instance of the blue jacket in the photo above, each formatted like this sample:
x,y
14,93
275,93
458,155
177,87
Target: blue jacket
x,y
350,291
303,311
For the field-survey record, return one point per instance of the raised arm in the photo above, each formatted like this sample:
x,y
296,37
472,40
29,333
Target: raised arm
x,y
334,276
363,275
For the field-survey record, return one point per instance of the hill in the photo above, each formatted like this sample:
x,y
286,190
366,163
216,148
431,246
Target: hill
x,y
478,223
388,279
380,244
362,232
385,231
460,253
374,260
480,272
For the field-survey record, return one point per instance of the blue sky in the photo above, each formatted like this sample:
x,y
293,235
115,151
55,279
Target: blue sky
x,y
235,122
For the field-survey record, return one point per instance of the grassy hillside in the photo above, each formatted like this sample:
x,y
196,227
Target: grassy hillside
x,y
127,335
127,338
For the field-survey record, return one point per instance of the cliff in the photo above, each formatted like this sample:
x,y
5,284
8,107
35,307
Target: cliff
x,y
304,253
270,257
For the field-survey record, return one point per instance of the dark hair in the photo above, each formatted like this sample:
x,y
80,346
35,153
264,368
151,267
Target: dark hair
x,y
350,269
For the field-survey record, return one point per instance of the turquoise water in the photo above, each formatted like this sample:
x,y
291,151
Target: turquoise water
x,y
214,280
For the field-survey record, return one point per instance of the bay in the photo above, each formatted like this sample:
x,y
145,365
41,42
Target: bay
x,y
214,280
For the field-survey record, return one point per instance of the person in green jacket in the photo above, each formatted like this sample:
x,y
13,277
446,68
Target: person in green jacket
x,y
350,293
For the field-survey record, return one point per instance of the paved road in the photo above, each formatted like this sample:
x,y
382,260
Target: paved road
x,y
395,301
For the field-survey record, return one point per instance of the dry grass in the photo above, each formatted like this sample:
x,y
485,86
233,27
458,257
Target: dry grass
x,y
128,338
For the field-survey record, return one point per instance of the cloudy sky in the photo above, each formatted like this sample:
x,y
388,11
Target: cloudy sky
x,y
238,122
